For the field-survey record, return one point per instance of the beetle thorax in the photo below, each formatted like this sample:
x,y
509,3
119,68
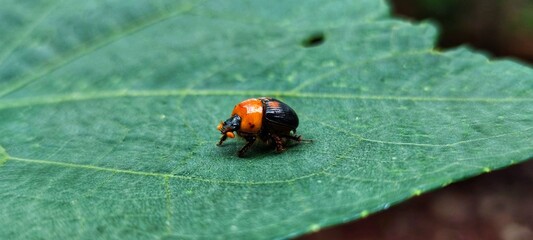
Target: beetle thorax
x,y
251,113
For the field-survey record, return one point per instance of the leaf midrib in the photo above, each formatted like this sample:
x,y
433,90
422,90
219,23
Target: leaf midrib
x,y
88,96
161,175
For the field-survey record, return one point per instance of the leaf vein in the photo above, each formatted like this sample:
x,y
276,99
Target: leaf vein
x,y
91,47
361,138
162,175
76,97
26,32
168,204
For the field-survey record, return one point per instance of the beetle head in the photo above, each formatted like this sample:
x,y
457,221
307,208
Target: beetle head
x,y
232,124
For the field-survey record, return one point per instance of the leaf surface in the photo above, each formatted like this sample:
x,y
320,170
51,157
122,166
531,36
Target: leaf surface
x,y
108,114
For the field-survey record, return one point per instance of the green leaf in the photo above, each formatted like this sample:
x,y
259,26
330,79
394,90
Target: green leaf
x,y
108,114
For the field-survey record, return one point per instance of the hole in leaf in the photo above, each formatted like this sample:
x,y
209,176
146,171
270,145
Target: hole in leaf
x,y
314,40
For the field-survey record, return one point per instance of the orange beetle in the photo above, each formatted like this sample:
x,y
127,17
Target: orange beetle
x,y
265,118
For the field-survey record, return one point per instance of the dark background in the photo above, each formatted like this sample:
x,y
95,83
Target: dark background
x,y
498,205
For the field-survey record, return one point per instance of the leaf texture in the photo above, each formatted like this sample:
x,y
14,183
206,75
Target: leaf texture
x,y
108,112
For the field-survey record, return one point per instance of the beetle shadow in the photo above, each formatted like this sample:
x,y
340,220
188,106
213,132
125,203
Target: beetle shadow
x,y
259,150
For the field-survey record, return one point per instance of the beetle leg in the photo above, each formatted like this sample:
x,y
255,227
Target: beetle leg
x,y
278,142
250,141
294,137
222,139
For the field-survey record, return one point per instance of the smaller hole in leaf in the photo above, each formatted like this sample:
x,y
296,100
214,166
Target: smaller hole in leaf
x,y
314,40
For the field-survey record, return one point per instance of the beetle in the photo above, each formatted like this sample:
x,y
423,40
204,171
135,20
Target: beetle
x,y
268,119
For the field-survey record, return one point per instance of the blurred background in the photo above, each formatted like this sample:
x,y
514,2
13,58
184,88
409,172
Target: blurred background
x,y
498,205
500,27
